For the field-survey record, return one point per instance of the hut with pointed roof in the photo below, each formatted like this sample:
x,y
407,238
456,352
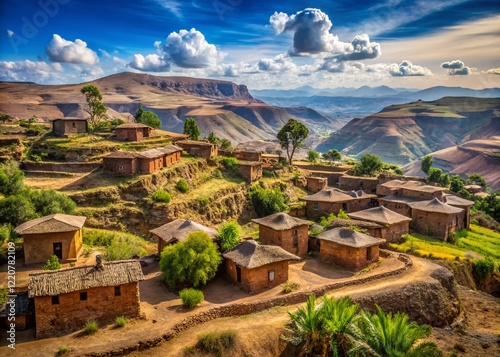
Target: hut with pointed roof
x,y
436,219
285,231
256,267
177,231
348,248
398,204
362,200
395,224
66,299
133,131
370,228
326,201
460,202
56,234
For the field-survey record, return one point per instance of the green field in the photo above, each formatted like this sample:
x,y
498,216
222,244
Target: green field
x,y
476,243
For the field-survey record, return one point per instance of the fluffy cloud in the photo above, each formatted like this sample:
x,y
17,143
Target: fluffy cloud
x,y
406,69
456,67
24,71
61,50
10,33
311,35
494,71
151,63
278,64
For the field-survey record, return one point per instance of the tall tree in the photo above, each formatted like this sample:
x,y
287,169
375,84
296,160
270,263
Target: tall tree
x,y
11,178
292,136
427,162
332,155
96,108
369,164
312,156
229,235
150,118
138,113
191,129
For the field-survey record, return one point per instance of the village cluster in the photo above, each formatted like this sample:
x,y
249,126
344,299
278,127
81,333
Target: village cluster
x,y
384,207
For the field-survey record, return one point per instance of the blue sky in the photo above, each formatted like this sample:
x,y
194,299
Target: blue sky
x,y
263,44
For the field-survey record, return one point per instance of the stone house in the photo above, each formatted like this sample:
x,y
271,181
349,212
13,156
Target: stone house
x,y
199,148
120,163
177,231
287,232
460,202
398,204
395,224
410,189
256,267
367,184
150,161
315,184
56,234
362,200
250,171
371,228
24,312
436,219
242,154
133,131
65,126
350,249
172,154
67,299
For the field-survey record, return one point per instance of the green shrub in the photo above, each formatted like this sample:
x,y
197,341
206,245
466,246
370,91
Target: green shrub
x,y
62,350
315,231
191,297
217,174
161,196
98,237
91,327
267,201
342,214
203,201
217,342
229,163
483,268
182,186
123,248
120,321
267,173
52,263
289,286
229,235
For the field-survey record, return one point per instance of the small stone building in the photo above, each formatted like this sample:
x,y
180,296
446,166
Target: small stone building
x,y
315,184
395,224
362,200
150,161
367,184
56,234
411,189
177,231
242,154
24,312
133,131
256,267
250,171
199,148
327,201
370,228
65,126
287,232
398,204
436,219
172,154
67,299
120,163
460,202
348,248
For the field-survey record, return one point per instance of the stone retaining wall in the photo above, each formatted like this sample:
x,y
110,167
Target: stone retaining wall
x,y
239,309
76,167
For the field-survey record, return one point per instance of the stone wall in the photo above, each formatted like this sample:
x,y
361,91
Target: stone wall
x,y
398,207
393,232
367,184
129,134
38,248
119,166
64,127
359,204
348,257
315,184
315,210
437,225
71,313
286,239
250,173
77,167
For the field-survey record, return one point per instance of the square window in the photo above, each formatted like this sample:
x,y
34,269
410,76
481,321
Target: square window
x,y
271,275
55,300
83,296
118,291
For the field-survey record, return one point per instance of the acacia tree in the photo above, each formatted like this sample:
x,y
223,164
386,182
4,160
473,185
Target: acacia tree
x,y
96,108
191,129
292,136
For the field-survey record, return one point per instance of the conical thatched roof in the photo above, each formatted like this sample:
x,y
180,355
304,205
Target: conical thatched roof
x,y
178,230
339,222
379,215
280,221
248,254
328,195
51,283
53,223
453,200
349,238
399,199
436,206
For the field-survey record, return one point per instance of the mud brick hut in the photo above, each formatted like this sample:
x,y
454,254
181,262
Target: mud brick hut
x,y
326,201
436,219
370,228
460,202
177,231
66,299
256,267
411,189
199,148
398,204
315,184
250,171
133,131
395,224
285,231
348,248
150,161
172,154
120,163
362,200
65,126
56,234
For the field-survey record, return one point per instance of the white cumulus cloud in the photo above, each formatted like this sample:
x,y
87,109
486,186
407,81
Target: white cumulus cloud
x,y
152,63
408,69
456,68
61,50
26,71
280,63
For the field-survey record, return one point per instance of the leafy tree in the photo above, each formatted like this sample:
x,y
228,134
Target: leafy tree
x,y
444,180
191,129
5,117
369,164
384,334
332,155
225,144
267,201
312,156
476,179
292,137
138,113
17,209
49,201
213,138
96,108
11,178
150,118
427,162
456,183
490,205
193,262
229,235
434,174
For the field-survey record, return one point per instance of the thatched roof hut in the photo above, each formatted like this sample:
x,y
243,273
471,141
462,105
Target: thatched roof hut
x,y
53,223
248,254
280,221
380,215
435,206
339,222
350,238
179,229
328,195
